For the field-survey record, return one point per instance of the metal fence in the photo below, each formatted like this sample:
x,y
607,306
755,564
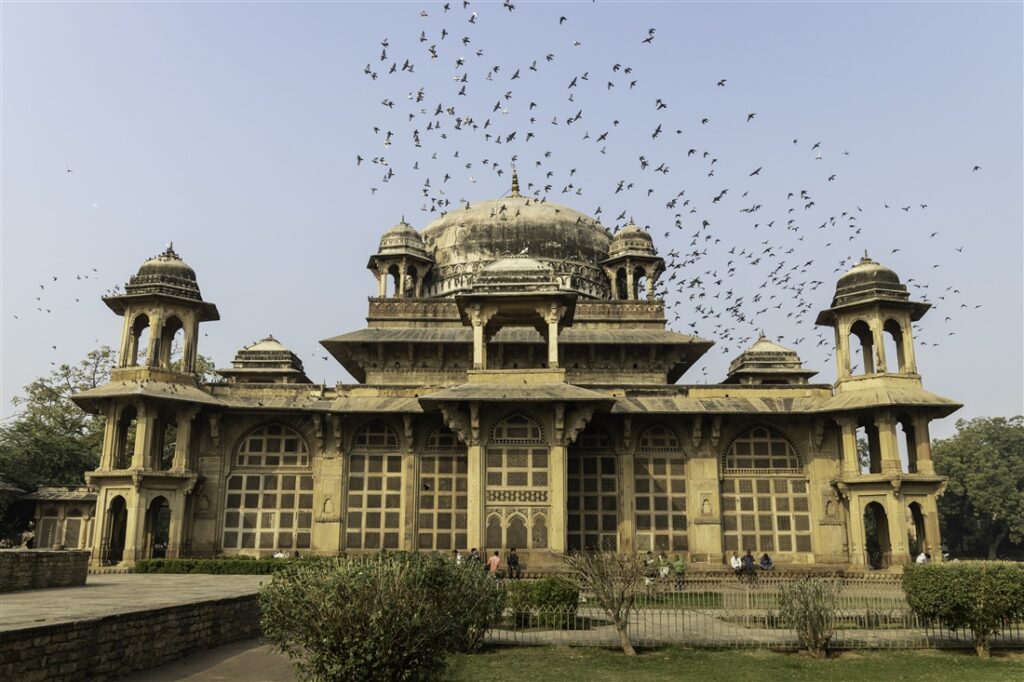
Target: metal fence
x,y
726,612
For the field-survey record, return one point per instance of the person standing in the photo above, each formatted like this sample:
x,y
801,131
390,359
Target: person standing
x,y
513,564
493,563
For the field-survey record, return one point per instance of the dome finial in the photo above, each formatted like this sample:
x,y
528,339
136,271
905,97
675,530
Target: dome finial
x,y
515,181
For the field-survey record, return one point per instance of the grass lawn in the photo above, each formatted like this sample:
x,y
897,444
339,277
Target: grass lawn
x,y
566,664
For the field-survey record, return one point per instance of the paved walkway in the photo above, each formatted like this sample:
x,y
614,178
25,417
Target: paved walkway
x,y
249,660
108,594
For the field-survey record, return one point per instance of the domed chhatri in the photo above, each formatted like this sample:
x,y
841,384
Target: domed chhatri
x,y
632,240
165,273
402,239
267,361
866,279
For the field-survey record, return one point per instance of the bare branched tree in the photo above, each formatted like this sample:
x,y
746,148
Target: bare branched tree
x,y
613,581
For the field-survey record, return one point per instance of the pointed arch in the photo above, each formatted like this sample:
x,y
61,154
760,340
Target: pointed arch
x,y
375,435
517,428
272,444
658,437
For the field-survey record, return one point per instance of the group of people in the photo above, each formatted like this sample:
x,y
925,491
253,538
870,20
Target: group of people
x,y
661,567
747,565
492,564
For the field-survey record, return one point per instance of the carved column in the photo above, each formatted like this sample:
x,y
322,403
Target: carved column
x,y
848,445
923,446
410,487
558,483
630,292
145,432
887,443
186,417
627,488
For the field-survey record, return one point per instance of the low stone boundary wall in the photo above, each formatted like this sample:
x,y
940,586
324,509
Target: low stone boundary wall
x,y
117,645
35,569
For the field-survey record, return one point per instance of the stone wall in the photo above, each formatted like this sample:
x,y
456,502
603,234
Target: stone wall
x,y
114,646
35,569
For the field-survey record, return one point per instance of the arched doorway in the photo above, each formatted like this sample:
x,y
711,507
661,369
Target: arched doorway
x,y
876,536
915,530
158,526
117,527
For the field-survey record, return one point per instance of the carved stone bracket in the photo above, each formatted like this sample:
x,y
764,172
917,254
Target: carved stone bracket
x,y
842,490
577,422
627,433
317,421
474,423
337,431
716,431
458,422
407,423
696,431
818,432
215,428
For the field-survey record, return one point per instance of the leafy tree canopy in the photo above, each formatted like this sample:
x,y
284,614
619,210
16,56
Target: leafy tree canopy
x,y
982,510
51,440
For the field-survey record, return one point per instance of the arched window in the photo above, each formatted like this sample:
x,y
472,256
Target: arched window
x,y
893,338
517,428
660,485
374,489
124,444
861,332
375,436
593,493
172,338
443,492
138,343
764,495
273,445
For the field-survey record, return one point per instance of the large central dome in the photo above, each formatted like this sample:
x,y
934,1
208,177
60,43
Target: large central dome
x,y
464,241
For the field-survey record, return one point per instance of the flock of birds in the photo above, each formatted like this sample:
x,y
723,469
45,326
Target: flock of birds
x,y
736,258
739,258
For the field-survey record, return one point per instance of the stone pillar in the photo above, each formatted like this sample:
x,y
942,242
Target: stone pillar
x,y
887,443
878,341
613,278
650,286
558,478
402,270
923,446
908,348
896,510
134,537
110,438
188,351
553,342
183,439
476,478
627,490
126,341
629,281
932,532
410,489
175,534
848,445
156,323
842,352
145,433
856,534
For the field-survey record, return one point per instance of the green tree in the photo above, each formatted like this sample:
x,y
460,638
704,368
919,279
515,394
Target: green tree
x,y
983,506
51,440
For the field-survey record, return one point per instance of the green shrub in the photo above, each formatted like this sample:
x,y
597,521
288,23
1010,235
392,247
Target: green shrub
x,y
982,596
811,607
549,602
378,617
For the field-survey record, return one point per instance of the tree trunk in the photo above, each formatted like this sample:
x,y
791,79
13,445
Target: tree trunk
x,y
981,645
993,548
627,646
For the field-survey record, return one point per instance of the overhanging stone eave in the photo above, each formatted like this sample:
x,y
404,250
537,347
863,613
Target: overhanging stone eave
x,y
208,311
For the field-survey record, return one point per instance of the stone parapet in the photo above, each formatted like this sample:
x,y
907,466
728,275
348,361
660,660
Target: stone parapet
x,y
113,646
35,569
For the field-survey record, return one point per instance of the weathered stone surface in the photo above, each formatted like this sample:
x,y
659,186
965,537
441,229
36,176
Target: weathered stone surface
x,y
33,569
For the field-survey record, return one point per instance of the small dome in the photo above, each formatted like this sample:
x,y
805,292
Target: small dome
x,y
402,239
867,271
267,344
165,273
632,240
767,362
868,280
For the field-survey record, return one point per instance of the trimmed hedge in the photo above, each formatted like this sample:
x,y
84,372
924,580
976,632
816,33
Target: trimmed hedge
x,y
232,566
549,602
982,596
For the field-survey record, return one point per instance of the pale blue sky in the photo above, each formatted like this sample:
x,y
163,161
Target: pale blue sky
x,y
233,128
